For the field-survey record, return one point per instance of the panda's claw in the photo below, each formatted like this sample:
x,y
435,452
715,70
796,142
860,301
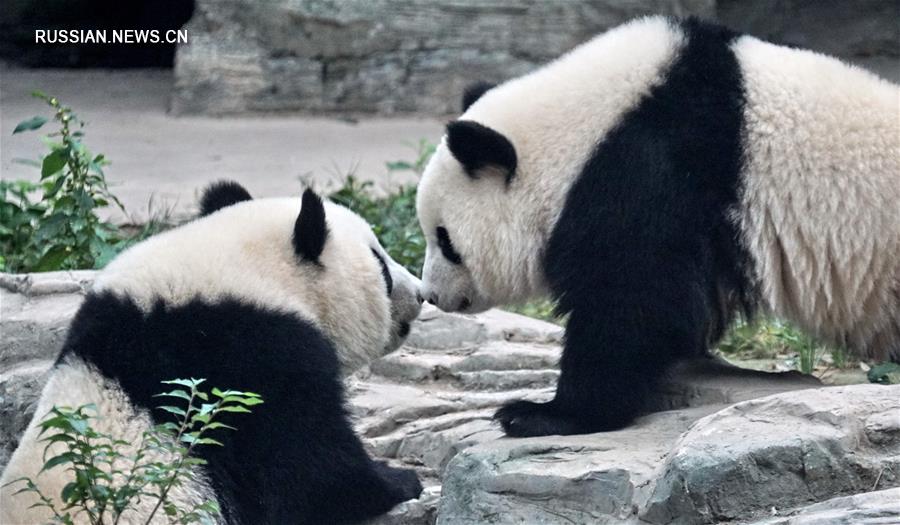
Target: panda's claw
x,y
526,418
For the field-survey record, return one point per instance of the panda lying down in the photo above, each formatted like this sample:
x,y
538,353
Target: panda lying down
x,y
268,296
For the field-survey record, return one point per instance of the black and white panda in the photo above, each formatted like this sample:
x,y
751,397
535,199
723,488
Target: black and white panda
x,y
656,180
268,295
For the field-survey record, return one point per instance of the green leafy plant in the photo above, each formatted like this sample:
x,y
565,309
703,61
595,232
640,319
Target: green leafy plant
x,y
543,309
393,220
108,481
885,374
18,219
393,217
62,229
424,151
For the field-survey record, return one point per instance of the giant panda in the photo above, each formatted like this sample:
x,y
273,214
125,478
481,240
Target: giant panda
x,y
279,296
655,181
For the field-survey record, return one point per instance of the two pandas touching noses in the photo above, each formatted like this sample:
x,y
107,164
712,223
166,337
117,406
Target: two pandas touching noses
x,y
656,181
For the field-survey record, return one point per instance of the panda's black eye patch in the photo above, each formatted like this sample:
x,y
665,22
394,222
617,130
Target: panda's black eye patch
x,y
388,280
447,247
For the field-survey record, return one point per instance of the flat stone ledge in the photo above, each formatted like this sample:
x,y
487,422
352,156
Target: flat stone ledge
x,y
870,508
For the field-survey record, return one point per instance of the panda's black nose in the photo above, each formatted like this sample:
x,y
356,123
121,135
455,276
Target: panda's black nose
x,y
433,299
419,297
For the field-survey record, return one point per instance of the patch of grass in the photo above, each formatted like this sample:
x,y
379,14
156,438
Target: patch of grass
x,y
770,339
542,309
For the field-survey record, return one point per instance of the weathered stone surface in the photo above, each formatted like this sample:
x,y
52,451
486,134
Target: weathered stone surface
x,y
781,452
422,511
602,478
20,387
429,406
402,56
384,56
870,508
864,33
573,479
35,310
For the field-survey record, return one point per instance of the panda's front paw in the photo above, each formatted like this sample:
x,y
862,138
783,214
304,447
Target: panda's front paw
x,y
405,482
525,418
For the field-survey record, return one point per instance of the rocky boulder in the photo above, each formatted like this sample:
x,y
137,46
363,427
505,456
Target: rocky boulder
x,y
780,452
872,508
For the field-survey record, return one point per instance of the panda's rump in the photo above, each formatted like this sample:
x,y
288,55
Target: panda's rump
x,y
73,383
819,210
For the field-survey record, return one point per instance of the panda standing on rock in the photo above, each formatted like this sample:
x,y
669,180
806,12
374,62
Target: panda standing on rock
x,y
655,181
277,296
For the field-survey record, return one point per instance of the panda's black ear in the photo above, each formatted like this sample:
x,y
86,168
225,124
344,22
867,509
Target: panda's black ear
x,y
222,194
310,230
477,147
474,91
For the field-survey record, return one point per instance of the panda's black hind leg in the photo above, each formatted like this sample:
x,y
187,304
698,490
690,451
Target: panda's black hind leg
x,y
526,418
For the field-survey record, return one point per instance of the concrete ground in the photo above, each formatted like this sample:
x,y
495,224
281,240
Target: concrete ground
x,y
167,159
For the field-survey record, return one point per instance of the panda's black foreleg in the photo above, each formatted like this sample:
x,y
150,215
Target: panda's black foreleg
x,y
402,483
361,489
617,347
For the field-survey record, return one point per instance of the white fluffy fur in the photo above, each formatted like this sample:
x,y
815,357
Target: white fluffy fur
x,y
74,384
820,212
553,117
245,251
821,206
242,251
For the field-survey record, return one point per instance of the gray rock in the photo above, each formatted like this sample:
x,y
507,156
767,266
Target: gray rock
x,y
416,56
601,478
35,310
429,407
20,388
871,508
422,511
384,56
597,478
864,33
781,452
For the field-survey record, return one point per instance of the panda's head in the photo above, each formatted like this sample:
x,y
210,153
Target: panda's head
x,y
307,256
483,242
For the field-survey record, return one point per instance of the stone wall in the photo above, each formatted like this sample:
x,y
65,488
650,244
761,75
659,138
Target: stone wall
x,y
416,56
382,56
